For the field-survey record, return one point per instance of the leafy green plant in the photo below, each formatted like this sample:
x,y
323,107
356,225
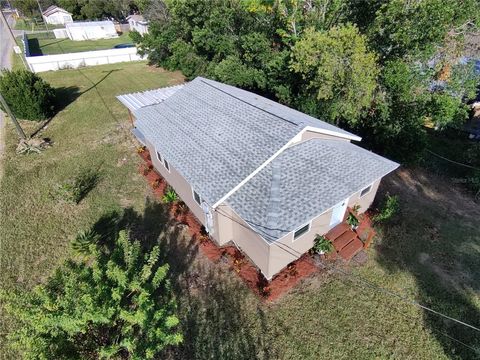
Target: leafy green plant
x,y
352,220
170,196
322,245
116,303
389,209
75,190
27,94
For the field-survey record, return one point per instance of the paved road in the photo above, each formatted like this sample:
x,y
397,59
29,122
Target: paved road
x,y
6,43
5,62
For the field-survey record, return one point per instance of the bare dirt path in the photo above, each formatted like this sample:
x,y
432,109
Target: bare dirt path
x,y
5,63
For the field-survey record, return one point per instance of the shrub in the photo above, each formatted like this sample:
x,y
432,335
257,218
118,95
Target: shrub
x,y
28,95
389,209
170,196
76,189
322,245
115,304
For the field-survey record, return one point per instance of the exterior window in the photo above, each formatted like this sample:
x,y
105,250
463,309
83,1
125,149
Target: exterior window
x,y
299,232
365,191
159,157
167,165
197,198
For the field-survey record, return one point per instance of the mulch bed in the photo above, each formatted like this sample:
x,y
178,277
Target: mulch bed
x,y
236,260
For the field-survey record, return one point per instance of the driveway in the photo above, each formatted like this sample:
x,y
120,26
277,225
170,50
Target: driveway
x,y
5,63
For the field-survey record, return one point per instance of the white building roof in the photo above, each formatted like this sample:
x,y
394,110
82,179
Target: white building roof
x,y
90,23
138,100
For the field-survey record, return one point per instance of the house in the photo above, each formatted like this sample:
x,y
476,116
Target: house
x,y
91,30
57,16
254,172
138,23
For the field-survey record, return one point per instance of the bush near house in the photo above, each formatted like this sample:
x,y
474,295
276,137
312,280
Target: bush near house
x,y
28,95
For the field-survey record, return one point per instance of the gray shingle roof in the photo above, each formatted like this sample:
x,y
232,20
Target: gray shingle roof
x,y
304,181
216,136
279,110
213,139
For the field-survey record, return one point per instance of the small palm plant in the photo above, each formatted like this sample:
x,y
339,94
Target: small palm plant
x,y
82,244
322,245
352,220
170,196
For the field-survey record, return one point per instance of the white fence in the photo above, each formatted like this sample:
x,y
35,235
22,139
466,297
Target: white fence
x,y
81,59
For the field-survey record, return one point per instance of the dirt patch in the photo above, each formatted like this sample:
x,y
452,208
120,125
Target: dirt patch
x,y
427,188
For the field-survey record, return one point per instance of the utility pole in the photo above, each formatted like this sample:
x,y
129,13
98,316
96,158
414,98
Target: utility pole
x,y
5,23
41,14
20,131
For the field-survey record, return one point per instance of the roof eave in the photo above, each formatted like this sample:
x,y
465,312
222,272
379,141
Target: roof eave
x,y
334,133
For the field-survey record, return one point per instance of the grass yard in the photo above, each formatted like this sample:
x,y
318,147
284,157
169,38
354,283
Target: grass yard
x,y
46,44
430,252
34,25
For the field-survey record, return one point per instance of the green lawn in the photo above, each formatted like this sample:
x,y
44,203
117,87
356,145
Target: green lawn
x,y
429,253
31,25
46,44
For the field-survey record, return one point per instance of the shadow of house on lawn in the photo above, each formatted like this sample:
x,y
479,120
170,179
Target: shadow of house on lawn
x,y
439,247
217,318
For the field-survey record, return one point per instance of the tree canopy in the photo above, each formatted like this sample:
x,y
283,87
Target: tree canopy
x,y
339,71
381,68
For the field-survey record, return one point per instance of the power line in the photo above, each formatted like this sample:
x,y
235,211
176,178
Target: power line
x,y
407,300
436,330
452,161
370,284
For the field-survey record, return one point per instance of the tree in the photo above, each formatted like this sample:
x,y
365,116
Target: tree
x,y
28,95
415,28
302,54
26,7
113,303
394,125
338,71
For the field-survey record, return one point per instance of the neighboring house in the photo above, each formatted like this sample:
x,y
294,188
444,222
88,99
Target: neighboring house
x,y
138,23
91,30
256,173
57,16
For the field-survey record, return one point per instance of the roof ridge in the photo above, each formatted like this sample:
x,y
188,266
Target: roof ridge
x,y
274,199
244,101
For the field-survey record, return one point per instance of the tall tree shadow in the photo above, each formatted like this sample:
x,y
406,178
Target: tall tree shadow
x,y
64,96
437,242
